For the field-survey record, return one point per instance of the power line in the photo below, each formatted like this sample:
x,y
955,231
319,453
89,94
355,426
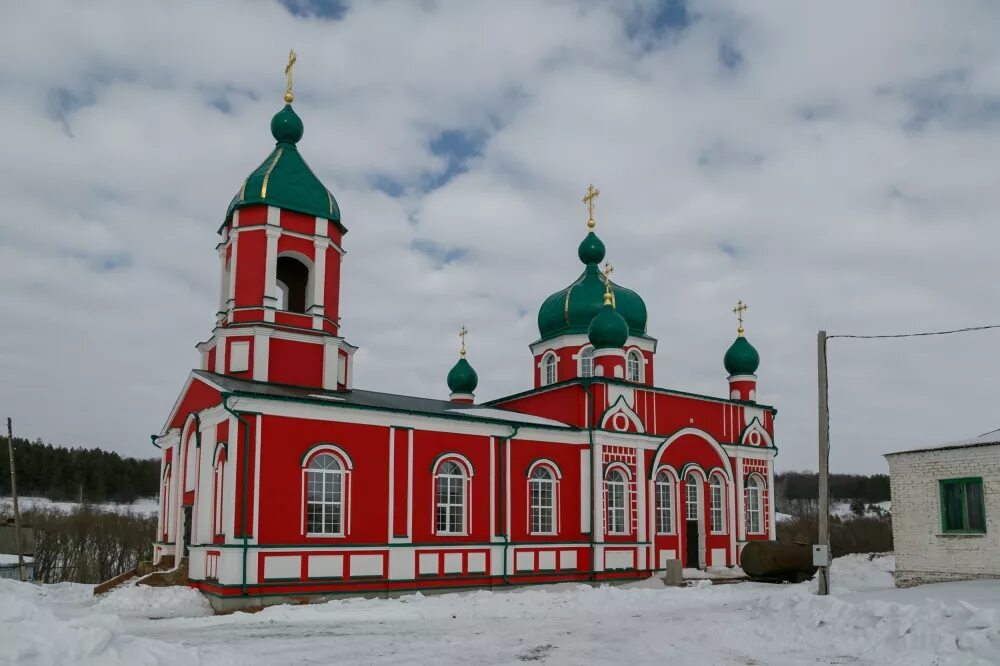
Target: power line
x,y
918,335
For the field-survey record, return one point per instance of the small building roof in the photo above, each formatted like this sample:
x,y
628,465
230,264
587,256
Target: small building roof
x,y
986,439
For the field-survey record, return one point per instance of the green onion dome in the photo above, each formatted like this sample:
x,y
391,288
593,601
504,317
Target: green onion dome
x,y
741,357
284,179
462,378
608,329
571,310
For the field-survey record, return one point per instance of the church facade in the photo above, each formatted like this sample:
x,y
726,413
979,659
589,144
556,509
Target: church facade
x,y
281,479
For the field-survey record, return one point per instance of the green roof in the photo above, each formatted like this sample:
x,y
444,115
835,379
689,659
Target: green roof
x,y
462,378
284,179
608,330
741,357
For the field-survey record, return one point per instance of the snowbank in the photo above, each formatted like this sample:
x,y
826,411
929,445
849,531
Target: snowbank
x,y
31,633
154,602
148,506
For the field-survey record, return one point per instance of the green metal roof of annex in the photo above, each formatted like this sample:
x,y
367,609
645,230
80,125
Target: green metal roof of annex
x,y
284,179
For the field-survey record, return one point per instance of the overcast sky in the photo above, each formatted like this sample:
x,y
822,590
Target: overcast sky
x,y
836,165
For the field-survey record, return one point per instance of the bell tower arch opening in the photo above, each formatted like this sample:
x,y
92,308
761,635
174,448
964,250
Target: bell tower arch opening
x,y
293,282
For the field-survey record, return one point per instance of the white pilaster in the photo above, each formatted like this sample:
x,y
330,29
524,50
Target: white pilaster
x,y
392,482
331,360
771,497
317,308
232,265
273,231
261,355
223,286
741,517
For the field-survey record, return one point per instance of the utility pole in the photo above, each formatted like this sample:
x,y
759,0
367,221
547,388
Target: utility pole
x,y
823,578
13,494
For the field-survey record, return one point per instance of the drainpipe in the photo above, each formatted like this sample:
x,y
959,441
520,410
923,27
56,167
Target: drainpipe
x,y
503,504
588,386
246,471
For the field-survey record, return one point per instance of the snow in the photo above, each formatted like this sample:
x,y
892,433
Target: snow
x,y
987,438
504,415
843,509
865,621
147,506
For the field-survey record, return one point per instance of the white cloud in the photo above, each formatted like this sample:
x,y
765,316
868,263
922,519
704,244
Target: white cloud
x,y
840,174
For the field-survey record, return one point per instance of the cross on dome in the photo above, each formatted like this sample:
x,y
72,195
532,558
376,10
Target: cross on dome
x,y
740,308
289,97
592,193
462,333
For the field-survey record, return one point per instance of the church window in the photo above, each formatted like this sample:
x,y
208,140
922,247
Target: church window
x,y
962,506
451,502
616,486
633,366
549,375
587,362
165,501
542,490
292,282
218,489
325,496
754,500
717,506
664,504
693,501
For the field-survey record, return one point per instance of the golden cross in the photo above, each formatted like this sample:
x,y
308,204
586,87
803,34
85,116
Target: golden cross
x,y
462,335
740,308
289,97
592,193
606,276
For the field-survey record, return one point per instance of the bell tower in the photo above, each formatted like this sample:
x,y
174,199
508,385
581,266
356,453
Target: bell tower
x,y
280,258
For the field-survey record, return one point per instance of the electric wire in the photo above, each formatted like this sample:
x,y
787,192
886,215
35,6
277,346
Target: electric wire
x,y
918,335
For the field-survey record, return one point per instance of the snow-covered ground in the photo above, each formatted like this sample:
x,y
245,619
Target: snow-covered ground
x,y
866,621
147,506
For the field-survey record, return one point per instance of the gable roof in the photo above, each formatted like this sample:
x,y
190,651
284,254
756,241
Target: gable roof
x,y
986,439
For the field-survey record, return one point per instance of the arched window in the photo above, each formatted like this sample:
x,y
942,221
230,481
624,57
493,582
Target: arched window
x,y
218,489
325,496
693,500
717,497
292,280
664,504
755,505
616,486
451,500
165,502
549,375
587,362
633,366
542,491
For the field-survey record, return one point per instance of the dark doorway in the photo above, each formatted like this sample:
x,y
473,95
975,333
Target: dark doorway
x,y
293,278
691,544
187,529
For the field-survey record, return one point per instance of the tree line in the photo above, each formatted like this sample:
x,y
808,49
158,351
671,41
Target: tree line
x,y
92,475
860,487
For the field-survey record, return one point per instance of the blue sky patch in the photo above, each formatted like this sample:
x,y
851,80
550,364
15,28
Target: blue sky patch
x,y
327,10
439,254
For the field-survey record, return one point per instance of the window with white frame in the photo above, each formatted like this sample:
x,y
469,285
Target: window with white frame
x,y
664,494
325,496
542,491
450,506
587,362
165,500
616,491
717,497
549,375
691,493
633,366
754,501
219,474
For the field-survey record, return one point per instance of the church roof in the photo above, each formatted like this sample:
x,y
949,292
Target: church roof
x,y
374,400
284,179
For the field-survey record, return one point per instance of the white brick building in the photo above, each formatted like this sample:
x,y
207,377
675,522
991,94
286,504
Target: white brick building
x,y
946,511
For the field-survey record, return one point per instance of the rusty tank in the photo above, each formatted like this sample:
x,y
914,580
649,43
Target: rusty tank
x,y
770,561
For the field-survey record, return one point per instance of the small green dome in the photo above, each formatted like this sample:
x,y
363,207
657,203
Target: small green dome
x,y
286,126
608,329
284,179
591,249
741,358
462,378
571,310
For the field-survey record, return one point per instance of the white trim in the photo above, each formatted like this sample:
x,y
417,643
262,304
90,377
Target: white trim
x,y
261,356
288,232
630,354
392,482
256,478
273,232
646,344
548,358
466,485
409,485
727,467
493,489
585,488
579,356
279,333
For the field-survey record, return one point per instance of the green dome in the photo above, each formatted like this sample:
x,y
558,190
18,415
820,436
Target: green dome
x,y
608,329
462,378
284,179
591,249
741,358
572,309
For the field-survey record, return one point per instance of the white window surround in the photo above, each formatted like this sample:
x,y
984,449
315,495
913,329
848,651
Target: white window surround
x,y
755,504
452,481
616,482
692,496
717,506
585,361
549,369
341,504
325,490
663,488
542,501
634,366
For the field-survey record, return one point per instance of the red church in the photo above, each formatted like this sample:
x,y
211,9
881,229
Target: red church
x,y
282,480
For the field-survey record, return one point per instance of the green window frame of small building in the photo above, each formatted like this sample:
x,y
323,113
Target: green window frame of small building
x,y
963,506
